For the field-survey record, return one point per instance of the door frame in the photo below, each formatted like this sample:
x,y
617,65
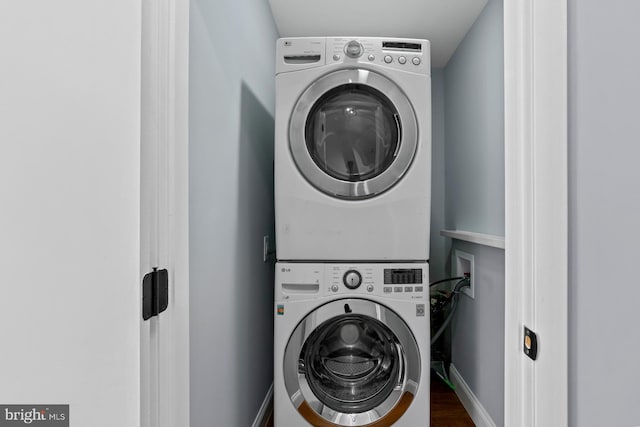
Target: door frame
x,y
536,208
164,352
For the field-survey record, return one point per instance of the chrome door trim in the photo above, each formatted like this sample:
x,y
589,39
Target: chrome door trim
x,y
406,147
296,383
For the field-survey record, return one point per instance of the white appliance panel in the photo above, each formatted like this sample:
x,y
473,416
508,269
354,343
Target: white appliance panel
x,y
395,295
312,224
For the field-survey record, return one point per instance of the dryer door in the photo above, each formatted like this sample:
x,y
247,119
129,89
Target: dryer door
x,y
353,134
352,362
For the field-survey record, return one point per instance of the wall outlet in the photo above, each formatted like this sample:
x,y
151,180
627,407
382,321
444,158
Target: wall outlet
x,y
265,248
463,266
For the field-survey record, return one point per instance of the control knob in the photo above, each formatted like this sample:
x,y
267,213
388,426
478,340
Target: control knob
x,y
352,279
353,49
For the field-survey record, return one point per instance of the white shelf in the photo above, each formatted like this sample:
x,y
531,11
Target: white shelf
x,y
479,238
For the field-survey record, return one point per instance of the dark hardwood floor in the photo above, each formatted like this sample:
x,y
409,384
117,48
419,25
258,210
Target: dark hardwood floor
x,y
446,409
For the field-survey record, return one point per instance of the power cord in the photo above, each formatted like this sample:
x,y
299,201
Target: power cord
x,y
450,279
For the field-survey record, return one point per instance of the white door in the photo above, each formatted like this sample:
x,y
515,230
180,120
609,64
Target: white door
x,y
70,209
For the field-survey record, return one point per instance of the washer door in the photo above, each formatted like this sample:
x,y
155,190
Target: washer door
x,y
353,134
352,362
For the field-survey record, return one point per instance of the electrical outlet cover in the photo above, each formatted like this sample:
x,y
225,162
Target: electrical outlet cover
x,y
462,264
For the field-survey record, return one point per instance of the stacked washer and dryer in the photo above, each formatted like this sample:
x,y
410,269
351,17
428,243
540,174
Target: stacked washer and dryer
x,y
352,198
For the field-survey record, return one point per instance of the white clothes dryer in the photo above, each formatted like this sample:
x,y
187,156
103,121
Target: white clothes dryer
x,y
351,345
352,149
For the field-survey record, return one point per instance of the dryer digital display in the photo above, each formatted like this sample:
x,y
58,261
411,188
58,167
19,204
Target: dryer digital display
x,y
401,276
402,46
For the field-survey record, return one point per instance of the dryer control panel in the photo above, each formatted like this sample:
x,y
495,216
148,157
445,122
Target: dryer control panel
x,y
406,281
300,53
402,54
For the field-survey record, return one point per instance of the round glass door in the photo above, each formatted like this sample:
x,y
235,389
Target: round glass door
x,y
352,363
352,360
353,134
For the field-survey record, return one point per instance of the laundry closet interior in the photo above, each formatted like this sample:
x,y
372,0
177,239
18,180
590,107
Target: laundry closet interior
x,y
233,235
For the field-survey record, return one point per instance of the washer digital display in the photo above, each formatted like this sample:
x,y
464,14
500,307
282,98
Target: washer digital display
x,y
401,276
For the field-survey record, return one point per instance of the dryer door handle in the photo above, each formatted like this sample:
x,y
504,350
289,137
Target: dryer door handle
x,y
396,118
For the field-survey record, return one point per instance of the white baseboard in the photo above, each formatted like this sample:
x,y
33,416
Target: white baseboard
x,y
474,408
265,409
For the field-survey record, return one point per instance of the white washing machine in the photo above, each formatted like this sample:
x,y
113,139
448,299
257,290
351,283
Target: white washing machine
x,y
351,345
353,149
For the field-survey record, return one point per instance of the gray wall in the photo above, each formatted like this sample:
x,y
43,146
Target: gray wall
x,y
477,331
474,199
604,207
474,127
231,208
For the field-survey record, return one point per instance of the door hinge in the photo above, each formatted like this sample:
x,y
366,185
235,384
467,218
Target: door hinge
x,y
155,293
530,345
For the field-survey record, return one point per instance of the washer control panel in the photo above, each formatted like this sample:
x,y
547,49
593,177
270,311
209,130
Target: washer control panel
x,y
394,280
401,281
